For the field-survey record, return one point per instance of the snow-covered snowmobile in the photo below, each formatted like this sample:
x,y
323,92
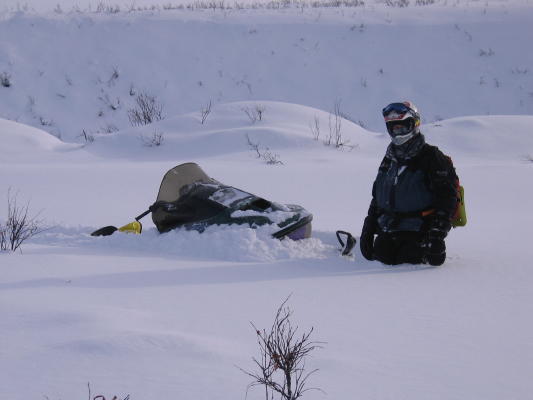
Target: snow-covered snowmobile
x,y
188,198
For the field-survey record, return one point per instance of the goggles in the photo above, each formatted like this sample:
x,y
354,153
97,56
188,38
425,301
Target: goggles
x,y
400,127
396,108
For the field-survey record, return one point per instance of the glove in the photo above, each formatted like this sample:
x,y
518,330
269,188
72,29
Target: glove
x,y
366,242
436,252
439,226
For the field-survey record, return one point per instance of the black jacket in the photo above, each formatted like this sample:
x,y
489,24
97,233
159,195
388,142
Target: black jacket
x,y
405,195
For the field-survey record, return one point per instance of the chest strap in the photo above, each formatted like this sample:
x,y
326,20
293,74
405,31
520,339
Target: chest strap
x,y
411,214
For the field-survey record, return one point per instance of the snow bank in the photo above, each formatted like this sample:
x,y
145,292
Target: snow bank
x,y
290,127
231,129
224,243
24,143
487,137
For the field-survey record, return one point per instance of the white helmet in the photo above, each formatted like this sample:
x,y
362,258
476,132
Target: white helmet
x,y
402,120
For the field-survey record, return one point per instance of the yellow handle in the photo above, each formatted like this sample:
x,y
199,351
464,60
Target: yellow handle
x,y
132,227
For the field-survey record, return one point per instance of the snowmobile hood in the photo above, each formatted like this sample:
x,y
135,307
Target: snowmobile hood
x,y
189,198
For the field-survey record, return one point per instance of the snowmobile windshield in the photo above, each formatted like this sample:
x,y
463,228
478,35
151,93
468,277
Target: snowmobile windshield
x,y
189,179
179,178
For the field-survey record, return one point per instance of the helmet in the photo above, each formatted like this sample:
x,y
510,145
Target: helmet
x,y
402,120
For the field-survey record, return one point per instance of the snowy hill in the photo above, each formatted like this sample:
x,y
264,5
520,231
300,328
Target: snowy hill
x,y
164,316
453,60
234,128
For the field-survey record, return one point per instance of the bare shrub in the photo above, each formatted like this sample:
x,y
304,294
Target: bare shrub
x,y
271,158
361,28
280,367
334,137
19,226
155,140
256,113
397,3
205,111
88,137
101,397
253,146
253,5
148,110
263,153
114,76
486,53
335,124
259,110
31,104
46,122
337,3
519,71
104,8
113,104
108,129
5,79
315,128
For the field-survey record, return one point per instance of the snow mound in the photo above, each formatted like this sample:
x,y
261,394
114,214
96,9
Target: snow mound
x,y
223,243
495,136
230,128
23,142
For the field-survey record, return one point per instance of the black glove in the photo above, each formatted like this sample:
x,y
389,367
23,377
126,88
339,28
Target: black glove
x,y
439,226
436,252
366,242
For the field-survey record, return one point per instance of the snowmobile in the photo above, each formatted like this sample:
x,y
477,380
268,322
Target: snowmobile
x,y
188,198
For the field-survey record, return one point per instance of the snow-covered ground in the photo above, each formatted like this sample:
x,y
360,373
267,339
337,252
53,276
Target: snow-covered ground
x,y
167,316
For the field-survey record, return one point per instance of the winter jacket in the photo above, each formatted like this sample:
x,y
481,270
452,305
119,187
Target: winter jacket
x,y
406,194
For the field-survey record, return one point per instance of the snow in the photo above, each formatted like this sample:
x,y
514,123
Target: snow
x,y
24,143
162,316
452,60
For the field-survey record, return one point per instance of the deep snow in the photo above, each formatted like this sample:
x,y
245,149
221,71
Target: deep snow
x,y
167,316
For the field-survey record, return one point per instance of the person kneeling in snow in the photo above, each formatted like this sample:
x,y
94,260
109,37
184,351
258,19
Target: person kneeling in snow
x,y
414,196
